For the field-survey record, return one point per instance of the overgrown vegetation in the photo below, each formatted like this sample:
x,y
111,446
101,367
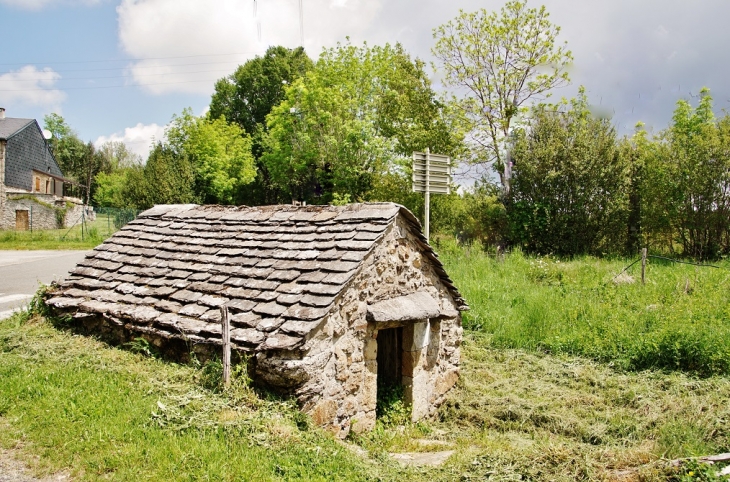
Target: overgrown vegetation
x,y
679,320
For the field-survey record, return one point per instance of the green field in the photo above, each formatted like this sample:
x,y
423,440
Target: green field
x,y
565,397
678,320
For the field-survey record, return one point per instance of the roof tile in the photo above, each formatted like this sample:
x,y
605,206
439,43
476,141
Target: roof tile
x,y
302,312
269,309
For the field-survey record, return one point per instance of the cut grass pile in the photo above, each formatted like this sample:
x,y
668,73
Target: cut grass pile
x,y
678,320
531,416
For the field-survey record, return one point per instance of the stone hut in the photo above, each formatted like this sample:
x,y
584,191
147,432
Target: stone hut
x,y
326,301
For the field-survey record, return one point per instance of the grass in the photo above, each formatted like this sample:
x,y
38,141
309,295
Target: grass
x,y
104,413
517,415
94,234
678,320
545,410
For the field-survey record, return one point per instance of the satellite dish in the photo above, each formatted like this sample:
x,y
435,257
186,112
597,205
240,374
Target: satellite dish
x,y
47,134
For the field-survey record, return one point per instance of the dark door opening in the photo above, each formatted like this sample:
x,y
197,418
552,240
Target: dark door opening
x,y
390,406
390,357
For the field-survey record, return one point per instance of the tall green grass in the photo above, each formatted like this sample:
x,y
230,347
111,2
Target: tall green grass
x,y
678,320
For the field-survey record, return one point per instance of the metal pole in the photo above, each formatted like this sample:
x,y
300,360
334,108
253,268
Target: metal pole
x,y
643,265
226,335
427,215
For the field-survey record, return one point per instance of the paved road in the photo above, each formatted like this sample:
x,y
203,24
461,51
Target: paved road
x,y
22,271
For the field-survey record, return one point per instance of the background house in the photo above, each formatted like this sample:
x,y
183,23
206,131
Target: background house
x,y
31,183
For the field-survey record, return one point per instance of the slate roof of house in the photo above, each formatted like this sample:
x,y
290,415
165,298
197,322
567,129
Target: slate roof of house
x,y
279,269
12,125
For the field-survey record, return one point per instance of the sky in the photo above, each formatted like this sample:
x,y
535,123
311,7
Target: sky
x,y
119,69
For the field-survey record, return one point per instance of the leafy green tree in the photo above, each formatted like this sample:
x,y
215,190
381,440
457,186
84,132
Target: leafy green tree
x,y
219,152
497,63
247,96
635,150
348,124
570,190
688,181
111,190
70,152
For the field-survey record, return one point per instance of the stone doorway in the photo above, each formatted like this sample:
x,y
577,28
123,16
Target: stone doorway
x,y
390,357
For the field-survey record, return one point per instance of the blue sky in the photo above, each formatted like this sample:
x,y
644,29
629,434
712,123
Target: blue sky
x,y
119,69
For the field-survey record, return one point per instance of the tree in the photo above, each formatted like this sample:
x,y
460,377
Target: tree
x,y
688,181
220,154
498,63
636,150
248,95
349,123
70,152
571,184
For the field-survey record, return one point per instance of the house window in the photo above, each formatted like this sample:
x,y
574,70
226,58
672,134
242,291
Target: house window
x,y
37,184
48,186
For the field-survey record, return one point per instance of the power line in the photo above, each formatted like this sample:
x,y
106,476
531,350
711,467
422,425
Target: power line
x,y
114,76
132,59
106,86
125,67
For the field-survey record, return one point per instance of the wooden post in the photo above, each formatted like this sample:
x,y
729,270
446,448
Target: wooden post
x,y
643,266
226,335
427,212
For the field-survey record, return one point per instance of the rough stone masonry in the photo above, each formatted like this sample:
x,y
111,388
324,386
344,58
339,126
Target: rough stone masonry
x,y
326,301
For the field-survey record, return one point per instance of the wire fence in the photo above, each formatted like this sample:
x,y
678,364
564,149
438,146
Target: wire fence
x,y
87,226
646,257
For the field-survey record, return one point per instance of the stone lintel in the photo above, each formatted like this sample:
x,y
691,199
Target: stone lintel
x,y
416,306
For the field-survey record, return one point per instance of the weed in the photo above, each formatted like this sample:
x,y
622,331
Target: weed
x,y
391,409
142,346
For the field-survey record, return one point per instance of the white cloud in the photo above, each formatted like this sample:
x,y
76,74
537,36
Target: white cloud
x,y
31,86
139,139
39,4
156,30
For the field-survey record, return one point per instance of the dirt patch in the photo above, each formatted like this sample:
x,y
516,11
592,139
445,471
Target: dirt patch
x,y
13,470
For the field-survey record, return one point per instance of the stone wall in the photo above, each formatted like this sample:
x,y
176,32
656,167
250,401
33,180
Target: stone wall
x,y
337,370
40,213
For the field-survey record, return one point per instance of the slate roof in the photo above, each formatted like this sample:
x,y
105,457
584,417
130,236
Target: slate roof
x,y
11,125
279,269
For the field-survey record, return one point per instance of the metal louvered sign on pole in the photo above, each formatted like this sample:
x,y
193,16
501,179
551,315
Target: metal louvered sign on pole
x,y
431,174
